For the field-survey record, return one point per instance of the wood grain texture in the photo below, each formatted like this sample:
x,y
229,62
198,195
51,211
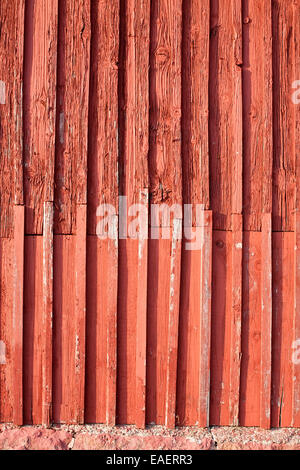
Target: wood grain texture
x,y
70,323
103,109
11,111
101,330
296,326
283,247
221,324
252,332
47,309
39,107
165,102
236,317
195,71
67,345
165,187
225,120
162,102
72,112
7,377
226,324
33,330
162,327
283,30
257,112
103,178
296,372
134,184
266,322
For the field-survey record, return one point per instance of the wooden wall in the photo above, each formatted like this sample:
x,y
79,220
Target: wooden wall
x,y
161,101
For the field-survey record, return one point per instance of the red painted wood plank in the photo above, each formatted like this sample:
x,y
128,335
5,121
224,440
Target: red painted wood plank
x,y
236,318
11,70
283,328
72,112
38,313
257,112
221,325
33,330
226,324
101,330
296,326
162,327
17,316
134,133
39,107
255,400
7,279
266,321
225,119
205,315
47,315
165,186
296,372
69,323
103,110
195,82
102,255
193,369
250,404
80,314
283,30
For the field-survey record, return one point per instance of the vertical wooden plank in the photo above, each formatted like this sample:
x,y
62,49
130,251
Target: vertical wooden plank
x,y
134,96
266,322
47,315
165,187
193,383
38,315
296,371
102,274
256,365
205,314
193,372
141,333
226,324
195,76
39,109
80,315
250,391
72,112
221,325
283,249
283,115
70,203
236,318
102,255
69,325
225,121
33,329
173,324
296,326
11,71
257,112
17,323
7,356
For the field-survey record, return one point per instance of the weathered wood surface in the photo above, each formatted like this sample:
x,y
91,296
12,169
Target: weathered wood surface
x,y
166,102
134,184
39,108
103,178
225,104
73,67
11,111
